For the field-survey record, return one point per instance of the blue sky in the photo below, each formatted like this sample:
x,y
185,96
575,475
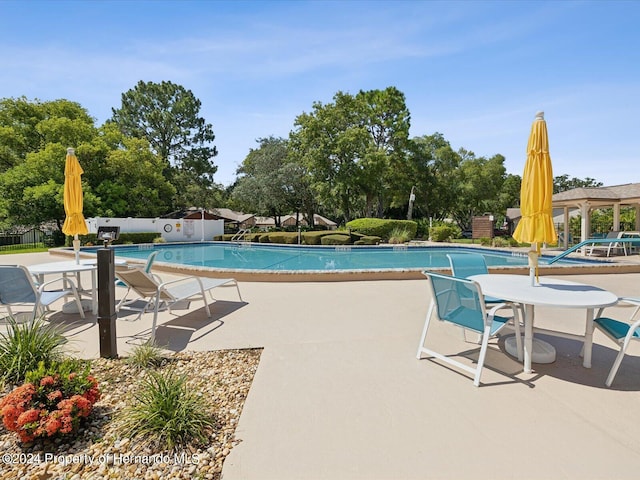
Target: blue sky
x,y
474,71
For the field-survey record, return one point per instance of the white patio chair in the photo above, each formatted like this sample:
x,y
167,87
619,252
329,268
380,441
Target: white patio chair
x,y
464,265
18,289
160,294
620,332
460,302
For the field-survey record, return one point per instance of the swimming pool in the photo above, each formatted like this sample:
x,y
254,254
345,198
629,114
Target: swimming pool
x,y
315,262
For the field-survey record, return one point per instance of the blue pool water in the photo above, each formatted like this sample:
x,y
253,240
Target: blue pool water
x,y
305,259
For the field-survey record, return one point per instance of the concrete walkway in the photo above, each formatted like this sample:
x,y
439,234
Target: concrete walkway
x,y
339,393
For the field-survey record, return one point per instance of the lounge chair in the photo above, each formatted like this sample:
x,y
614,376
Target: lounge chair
x,y
166,294
608,247
147,268
620,332
460,302
17,288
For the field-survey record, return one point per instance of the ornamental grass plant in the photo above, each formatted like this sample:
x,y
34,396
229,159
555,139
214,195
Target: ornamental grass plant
x,y
25,345
146,355
166,412
399,235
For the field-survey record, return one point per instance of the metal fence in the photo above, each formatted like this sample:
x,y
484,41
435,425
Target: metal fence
x,y
597,229
33,238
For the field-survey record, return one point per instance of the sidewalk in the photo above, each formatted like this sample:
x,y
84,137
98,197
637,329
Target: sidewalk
x,y
339,393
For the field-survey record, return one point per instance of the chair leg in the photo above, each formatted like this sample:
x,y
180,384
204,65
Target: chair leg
x,y
425,329
155,317
483,354
616,366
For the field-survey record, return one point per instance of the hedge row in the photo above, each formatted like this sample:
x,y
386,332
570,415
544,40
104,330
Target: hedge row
x,y
382,228
307,238
124,238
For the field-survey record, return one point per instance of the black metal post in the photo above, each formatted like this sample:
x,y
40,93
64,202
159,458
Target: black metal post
x,y
107,303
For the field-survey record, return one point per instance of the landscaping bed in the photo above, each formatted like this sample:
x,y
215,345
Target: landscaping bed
x,y
97,450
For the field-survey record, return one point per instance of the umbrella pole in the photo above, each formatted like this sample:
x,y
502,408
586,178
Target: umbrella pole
x,y
533,265
76,248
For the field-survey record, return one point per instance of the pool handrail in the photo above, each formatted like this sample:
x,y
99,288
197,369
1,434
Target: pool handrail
x,y
591,241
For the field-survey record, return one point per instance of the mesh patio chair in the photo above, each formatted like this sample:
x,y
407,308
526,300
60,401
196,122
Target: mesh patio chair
x,y
18,289
620,332
460,302
464,265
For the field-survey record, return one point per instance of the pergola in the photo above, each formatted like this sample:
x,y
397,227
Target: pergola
x,y
588,199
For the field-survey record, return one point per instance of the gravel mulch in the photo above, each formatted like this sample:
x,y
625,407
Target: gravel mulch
x,y
97,451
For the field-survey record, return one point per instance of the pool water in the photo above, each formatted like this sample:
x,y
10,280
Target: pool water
x,y
305,259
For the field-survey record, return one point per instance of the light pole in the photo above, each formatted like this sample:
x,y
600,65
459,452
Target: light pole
x,y
412,198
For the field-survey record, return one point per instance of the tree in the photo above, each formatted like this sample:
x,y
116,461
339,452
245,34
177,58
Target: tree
x,y
167,116
387,121
432,166
481,182
122,177
348,147
270,183
28,126
131,182
562,183
31,192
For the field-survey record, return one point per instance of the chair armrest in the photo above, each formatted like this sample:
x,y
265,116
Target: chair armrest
x,y
633,302
497,307
179,280
630,300
64,280
190,279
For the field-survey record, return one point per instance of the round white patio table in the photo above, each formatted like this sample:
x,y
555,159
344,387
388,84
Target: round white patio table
x,y
549,292
65,268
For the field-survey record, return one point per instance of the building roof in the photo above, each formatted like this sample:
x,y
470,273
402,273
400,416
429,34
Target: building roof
x,y
628,193
232,216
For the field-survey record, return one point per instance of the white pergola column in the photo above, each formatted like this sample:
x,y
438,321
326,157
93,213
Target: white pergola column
x,y
566,228
585,223
616,217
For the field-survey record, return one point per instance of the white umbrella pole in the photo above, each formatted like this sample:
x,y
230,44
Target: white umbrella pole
x,y
76,248
533,264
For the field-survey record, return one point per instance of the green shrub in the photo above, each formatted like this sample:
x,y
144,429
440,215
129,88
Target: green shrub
x,y
513,242
166,411
315,237
290,238
444,233
336,239
381,227
503,241
422,230
368,240
52,402
24,345
264,238
123,239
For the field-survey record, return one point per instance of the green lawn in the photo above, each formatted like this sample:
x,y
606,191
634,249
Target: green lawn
x,y
23,250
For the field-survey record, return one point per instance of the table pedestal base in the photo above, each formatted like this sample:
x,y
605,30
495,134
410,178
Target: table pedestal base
x,y
72,307
543,352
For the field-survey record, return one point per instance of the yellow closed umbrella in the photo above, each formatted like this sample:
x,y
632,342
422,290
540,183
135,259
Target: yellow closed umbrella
x,y
536,207
74,223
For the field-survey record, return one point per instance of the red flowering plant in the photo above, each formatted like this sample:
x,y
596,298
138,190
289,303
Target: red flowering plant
x,y
52,401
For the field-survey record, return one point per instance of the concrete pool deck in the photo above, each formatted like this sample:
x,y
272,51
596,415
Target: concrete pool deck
x,y
339,393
